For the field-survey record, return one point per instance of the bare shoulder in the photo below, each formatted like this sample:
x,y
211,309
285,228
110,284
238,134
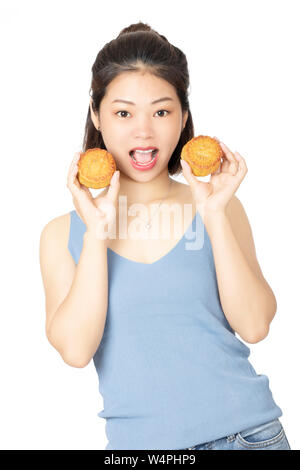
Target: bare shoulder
x,y
238,217
235,208
54,242
60,225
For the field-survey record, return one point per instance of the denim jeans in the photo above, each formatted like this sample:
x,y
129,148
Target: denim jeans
x,y
268,436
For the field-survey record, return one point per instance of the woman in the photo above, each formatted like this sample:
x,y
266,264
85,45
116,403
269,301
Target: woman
x,y
158,315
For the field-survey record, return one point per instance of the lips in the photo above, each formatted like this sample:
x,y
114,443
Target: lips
x,y
144,166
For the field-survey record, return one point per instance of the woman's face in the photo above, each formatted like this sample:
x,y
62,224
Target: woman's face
x,y
125,126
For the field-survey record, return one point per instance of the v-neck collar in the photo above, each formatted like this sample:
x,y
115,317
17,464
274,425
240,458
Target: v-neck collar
x,y
163,258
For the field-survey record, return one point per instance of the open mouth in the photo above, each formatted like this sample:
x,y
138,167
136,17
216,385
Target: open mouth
x,y
153,155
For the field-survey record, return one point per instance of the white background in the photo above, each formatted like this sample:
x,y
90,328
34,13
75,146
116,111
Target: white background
x,y
244,71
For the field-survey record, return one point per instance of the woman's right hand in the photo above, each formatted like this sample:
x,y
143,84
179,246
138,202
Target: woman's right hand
x,y
94,212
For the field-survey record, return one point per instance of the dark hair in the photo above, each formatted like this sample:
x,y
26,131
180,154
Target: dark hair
x,y
138,48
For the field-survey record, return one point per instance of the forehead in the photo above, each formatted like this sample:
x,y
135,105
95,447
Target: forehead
x,y
139,87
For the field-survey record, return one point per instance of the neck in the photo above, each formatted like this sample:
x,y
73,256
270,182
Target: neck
x,y
145,192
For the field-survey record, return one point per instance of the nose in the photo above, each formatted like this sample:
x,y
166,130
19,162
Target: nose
x,y
143,128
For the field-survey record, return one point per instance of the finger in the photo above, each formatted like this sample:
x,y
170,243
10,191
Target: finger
x,y
86,190
187,173
73,168
228,154
72,181
242,170
225,164
233,167
223,167
74,162
114,186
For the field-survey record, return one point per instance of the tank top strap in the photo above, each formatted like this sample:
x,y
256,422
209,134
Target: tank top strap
x,y
76,232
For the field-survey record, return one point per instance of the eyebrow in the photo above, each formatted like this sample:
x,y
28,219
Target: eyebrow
x,y
165,98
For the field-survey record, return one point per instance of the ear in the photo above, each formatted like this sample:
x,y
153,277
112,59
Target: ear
x,y
94,117
185,117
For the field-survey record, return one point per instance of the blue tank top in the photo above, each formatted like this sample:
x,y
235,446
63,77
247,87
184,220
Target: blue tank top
x,y
172,373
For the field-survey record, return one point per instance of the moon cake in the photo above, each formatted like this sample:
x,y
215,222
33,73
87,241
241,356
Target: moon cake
x,y
95,168
203,154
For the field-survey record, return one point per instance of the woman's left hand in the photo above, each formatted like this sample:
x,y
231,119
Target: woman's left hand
x,y
214,195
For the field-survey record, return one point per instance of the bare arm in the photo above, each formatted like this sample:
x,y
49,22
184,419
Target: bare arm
x,y
77,326
247,300
76,297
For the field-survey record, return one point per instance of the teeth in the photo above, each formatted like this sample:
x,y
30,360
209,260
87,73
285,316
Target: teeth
x,y
143,151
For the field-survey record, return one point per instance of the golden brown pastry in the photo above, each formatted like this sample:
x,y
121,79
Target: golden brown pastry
x,y
203,154
95,168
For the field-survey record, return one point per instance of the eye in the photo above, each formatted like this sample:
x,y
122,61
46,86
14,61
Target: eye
x,y
161,110
164,111
122,112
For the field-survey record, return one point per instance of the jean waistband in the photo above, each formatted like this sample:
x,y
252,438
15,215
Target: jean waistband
x,y
254,429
